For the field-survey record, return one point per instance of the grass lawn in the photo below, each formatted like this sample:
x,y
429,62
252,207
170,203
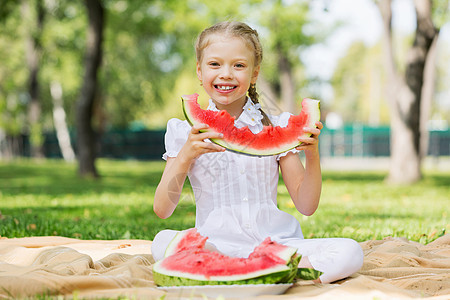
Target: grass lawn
x,y
47,198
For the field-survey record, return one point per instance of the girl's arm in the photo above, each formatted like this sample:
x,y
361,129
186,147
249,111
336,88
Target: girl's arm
x,y
304,184
169,188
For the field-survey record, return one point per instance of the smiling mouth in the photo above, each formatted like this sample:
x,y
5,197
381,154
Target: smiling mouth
x,y
225,87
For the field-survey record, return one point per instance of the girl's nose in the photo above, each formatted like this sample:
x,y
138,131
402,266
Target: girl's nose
x,y
226,73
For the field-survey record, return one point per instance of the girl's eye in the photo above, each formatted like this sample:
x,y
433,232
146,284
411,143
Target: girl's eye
x,y
239,65
214,64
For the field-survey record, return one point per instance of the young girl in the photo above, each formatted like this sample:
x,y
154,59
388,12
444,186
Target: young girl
x,y
235,194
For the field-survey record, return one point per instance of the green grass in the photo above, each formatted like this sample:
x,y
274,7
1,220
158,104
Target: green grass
x,y
361,206
48,198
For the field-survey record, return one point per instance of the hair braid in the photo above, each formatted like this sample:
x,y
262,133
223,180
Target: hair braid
x,y
254,96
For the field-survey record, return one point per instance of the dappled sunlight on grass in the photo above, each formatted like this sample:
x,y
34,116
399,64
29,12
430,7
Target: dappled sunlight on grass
x,y
48,198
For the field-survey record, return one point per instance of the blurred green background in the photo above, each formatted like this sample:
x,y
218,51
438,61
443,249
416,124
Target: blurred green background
x,y
334,52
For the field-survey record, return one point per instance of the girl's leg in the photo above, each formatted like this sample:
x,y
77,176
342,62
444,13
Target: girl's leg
x,y
337,258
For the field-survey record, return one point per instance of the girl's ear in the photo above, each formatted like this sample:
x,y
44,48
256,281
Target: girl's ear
x,y
255,74
199,72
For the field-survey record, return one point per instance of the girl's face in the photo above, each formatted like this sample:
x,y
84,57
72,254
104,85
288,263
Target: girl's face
x,y
227,69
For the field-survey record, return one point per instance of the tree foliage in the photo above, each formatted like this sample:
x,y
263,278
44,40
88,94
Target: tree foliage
x,y
148,56
13,74
289,29
358,84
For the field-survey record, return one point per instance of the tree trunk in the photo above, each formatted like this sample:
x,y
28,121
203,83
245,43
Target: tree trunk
x,y
405,94
33,51
59,119
427,96
86,135
286,83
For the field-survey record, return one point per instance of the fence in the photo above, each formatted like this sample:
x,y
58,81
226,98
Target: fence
x,y
350,141
365,141
119,144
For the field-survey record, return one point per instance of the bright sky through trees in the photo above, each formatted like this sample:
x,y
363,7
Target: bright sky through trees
x,y
361,21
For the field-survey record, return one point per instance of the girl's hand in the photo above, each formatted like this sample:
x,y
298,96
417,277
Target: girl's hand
x,y
196,144
311,144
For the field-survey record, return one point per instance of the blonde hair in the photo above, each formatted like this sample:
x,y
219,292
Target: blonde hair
x,y
249,36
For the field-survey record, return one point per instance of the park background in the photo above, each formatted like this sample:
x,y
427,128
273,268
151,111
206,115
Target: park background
x,y
86,89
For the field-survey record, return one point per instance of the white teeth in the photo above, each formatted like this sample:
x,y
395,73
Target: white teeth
x,y
225,87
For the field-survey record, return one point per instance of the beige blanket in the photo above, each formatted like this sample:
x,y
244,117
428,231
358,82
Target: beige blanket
x,y
393,268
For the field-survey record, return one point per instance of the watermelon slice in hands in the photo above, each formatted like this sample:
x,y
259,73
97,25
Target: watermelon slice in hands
x,y
271,140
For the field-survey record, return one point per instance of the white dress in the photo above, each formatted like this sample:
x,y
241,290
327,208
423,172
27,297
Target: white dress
x,y
235,194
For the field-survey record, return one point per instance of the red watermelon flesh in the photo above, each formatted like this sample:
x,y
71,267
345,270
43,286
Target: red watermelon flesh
x,y
270,141
269,263
209,264
186,240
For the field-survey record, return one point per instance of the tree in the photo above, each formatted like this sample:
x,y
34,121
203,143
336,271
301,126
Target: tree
x,y
405,92
286,37
86,135
33,51
53,53
13,100
357,84
145,53
59,120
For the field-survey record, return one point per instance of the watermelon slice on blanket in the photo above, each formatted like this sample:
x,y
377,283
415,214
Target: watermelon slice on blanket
x,y
184,265
186,240
270,141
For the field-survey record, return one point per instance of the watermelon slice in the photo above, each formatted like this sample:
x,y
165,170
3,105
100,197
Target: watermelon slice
x,y
269,263
270,141
186,240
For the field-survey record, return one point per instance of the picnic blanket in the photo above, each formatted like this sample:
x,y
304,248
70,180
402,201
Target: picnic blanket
x,y
394,268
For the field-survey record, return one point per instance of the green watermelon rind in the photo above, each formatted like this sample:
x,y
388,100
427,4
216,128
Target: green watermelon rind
x,y
280,274
287,276
159,267
313,107
308,274
173,243
166,280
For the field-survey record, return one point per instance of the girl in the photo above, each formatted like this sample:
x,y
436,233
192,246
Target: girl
x,y
236,194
